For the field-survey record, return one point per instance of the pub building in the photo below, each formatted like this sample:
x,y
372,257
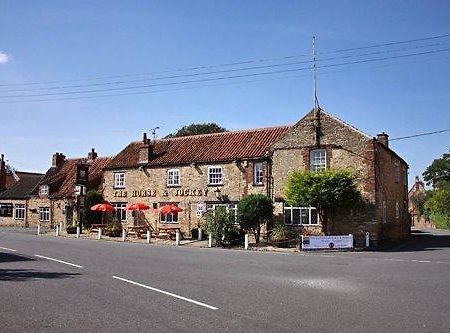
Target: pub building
x,y
200,173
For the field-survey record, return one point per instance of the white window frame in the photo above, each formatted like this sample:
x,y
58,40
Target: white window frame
x,y
213,171
318,162
120,207
19,211
44,214
305,213
169,218
43,190
258,173
119,180
173,177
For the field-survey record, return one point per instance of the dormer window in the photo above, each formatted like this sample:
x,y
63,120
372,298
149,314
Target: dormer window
x,y
43,190
119,180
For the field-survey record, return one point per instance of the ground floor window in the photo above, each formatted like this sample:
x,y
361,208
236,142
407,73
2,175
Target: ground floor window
x,y
6,210
44,214
300,216
19,212
168,217
119,211
229,207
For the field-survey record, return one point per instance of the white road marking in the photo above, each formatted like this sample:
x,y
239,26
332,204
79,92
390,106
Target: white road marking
x,y
60,261
5,248
327,255
421,260
166,293
395,259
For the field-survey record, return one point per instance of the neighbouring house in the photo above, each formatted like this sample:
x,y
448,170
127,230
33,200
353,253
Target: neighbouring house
x,y
203,172
16,194
417,220
56,198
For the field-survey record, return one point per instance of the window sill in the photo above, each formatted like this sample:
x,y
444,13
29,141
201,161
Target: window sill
x,y
173,186
258,185
119,187
212,185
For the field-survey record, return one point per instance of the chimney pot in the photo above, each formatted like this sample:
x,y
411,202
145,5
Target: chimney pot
x,y
383,138
144,138
92,155
2,173
58,159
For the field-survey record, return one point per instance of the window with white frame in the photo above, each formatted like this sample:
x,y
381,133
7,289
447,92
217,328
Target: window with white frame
x,y
19,211
44,214
258,173
119,180
173,177
318,160
229,207
168,217
43,190
120,212
215,175
300,216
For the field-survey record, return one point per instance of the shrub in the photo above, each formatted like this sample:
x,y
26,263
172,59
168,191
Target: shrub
x,y
253,211
221,225
114,228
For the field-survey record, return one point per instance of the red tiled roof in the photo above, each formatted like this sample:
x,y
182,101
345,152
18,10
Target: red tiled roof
x,y
204,148
61,180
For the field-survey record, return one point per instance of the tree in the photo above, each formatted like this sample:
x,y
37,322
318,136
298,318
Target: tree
x,y
92,198
437,207
253,211
220,224
329,191
438,173
194,129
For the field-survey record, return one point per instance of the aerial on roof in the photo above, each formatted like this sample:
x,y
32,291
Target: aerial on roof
x,y
24,187
61,178
203,148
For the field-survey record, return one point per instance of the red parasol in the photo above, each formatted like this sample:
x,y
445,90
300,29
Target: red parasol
x,y
166,209
103,207
137,206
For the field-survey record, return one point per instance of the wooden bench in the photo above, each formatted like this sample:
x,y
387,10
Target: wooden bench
x,y
138,230
94,227
170,231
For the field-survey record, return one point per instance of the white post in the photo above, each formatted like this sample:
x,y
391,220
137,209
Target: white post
x,y
177,238
57,231
353,245
200,234
301,242
367,239
246,241
209,240
99,233
39,229
149,235
78,232
60,227
124,235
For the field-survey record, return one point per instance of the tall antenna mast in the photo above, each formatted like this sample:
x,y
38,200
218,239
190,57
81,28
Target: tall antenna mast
x,y
154,132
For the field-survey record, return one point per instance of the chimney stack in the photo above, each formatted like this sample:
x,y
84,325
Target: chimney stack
x,y
2,173
92,155
383,138
58,159
145,150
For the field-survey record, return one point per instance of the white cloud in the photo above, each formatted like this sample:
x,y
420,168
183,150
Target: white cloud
x,y
3,57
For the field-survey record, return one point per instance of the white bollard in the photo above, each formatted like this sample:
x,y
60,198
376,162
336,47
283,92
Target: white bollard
x,y
301,242
39,229
99,233
177,238
209,240
124,235
60,227
200,234
78,232
367,239
246,242
57,231
149,235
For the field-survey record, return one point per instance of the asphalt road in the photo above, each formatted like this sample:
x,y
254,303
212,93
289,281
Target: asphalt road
x,y
120,287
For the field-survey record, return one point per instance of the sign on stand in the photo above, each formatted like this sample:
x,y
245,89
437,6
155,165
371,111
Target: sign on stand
x,y
201,209
327,242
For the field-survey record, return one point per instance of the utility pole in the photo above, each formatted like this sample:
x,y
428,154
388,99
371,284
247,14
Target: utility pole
x,y
316,101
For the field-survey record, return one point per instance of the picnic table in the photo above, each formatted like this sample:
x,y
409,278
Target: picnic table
x,y
138,230
170,231
96,226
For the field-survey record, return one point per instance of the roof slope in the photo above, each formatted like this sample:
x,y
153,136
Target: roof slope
x,y
24,187
61,180
203,148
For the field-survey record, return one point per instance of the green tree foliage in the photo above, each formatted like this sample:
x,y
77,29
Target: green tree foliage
x,y
92,198
438,173
329,191
194,129
253,211
221,225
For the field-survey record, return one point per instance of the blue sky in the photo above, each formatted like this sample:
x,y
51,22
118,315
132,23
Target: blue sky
x,y
73,42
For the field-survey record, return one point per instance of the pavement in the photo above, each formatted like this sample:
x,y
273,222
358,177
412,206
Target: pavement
x,y
54,284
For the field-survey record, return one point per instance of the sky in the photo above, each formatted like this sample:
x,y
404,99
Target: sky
x,y
81,74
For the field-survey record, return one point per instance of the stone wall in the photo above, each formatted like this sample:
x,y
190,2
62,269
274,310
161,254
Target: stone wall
x,y
12,221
